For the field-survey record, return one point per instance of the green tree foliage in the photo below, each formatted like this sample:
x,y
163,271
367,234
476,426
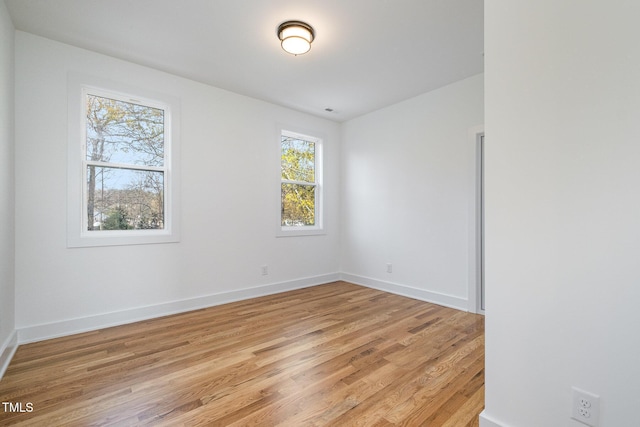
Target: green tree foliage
x,y
122,133
298,189
117,220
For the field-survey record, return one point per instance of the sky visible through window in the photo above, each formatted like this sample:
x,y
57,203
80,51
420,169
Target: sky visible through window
x,y
125,155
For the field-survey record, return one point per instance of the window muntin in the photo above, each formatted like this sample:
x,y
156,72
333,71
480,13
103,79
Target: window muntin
x,y
300,186
124,145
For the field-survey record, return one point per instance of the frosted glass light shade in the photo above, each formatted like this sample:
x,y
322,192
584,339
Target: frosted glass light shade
x,y
296,37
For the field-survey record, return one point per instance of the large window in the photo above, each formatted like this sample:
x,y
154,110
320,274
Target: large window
x,y
125,164
125,155
301,184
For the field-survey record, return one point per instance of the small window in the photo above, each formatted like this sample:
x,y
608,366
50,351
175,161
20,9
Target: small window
x,y
300,185
125,157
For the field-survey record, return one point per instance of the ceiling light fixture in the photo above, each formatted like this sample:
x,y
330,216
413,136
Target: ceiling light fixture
x,y
295,37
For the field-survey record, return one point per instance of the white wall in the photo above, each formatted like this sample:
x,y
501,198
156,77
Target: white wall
x,y
406,194
563,210
230,202
7,336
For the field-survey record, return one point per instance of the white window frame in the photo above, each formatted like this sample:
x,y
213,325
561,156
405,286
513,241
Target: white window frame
x,y
307,230
78,234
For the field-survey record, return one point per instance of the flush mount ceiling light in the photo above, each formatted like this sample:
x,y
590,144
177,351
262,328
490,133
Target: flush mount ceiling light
x,y
295,37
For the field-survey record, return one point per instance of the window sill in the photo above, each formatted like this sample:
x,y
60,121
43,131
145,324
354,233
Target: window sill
x,y
299,231
119,238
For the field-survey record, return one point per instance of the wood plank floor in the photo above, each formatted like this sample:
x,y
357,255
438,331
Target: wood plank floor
x,y
330,355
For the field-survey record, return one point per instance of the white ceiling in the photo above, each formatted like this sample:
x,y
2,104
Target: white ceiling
x,y
367,53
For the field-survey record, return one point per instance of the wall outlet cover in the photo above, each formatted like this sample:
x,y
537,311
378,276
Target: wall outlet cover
x,y
585,407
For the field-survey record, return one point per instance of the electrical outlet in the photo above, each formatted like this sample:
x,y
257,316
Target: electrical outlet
x,y
265,270
389,268
585,407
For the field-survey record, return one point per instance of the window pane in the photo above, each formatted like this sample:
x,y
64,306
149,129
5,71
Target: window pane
x,y
124,199
298,159
123,132
298,205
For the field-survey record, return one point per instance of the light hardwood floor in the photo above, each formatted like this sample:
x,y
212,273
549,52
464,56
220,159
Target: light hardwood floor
x,y
335,355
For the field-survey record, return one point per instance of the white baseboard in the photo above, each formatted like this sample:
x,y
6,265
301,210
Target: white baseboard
x,y
487,421
73,326
7,350
407,291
